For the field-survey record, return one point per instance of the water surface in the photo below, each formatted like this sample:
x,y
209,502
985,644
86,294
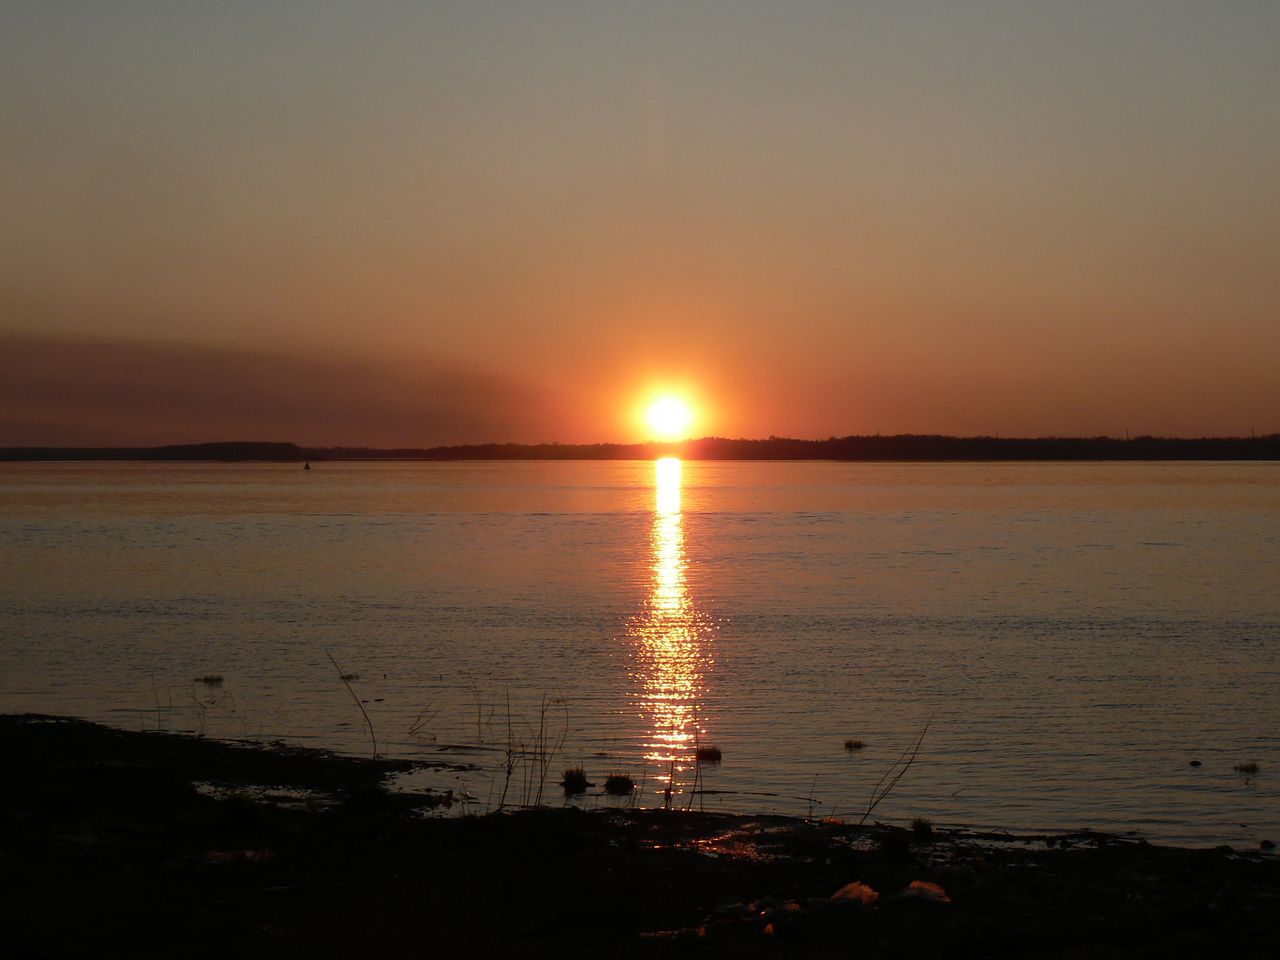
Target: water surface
x,y
1074,635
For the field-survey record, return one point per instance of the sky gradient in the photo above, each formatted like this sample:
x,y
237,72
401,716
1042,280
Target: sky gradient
x,y
409,224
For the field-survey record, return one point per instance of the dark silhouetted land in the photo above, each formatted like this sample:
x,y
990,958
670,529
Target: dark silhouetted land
x,y
903,447
117,843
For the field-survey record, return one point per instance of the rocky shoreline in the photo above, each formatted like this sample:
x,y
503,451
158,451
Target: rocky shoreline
x,y
115,843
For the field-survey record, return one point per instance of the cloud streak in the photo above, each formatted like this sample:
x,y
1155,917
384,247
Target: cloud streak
x,y
81,391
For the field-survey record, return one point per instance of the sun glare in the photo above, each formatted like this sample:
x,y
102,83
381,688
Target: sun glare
x,y
669,418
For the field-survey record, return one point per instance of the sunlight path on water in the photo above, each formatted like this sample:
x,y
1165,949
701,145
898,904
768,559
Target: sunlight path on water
x,y
671,640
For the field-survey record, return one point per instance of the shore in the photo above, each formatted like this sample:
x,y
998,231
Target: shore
x,y
116,843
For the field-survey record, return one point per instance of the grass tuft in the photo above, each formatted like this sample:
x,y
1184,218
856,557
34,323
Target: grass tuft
x,y
922,828
1250,768
852,745
709,755
575,781
619,785
209,680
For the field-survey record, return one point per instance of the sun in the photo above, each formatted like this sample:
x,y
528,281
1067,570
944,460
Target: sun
x,y
669,418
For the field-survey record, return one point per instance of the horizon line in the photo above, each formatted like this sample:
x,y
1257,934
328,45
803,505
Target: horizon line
x,y
904,446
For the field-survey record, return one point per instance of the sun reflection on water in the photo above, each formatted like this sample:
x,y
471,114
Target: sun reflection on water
x,y
671,637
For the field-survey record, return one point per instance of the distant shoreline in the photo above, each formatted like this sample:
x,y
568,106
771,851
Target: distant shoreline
x,y
901,448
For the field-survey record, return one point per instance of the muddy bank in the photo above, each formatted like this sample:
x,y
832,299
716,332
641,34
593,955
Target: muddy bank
x,y
148,845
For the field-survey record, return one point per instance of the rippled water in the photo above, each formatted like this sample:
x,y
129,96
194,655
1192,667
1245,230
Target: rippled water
x,y
1074,635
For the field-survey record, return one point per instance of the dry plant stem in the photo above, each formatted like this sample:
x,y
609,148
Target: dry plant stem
x,y
475,695
696,788
534,752
545,755
510,763
697,764
541,756
884,786
424,717
155,694
697,761
202,711
536,759
373,739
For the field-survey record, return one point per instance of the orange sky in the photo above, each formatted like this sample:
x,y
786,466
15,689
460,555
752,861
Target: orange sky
x,y
414,225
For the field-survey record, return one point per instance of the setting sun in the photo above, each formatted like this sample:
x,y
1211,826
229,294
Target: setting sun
x,y
669,417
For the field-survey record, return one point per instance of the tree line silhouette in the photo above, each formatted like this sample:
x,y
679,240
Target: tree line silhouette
x,y
918,447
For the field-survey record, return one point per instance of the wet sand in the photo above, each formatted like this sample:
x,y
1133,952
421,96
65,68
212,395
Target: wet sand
x,y
117,843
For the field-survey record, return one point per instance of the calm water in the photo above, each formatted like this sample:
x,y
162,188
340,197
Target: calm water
x,y
1074,634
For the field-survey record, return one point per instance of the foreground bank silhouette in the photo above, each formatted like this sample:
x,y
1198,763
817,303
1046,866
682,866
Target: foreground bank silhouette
x,y
115,845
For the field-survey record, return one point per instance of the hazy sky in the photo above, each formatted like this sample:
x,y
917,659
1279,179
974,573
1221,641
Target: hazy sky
x,y
420,223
